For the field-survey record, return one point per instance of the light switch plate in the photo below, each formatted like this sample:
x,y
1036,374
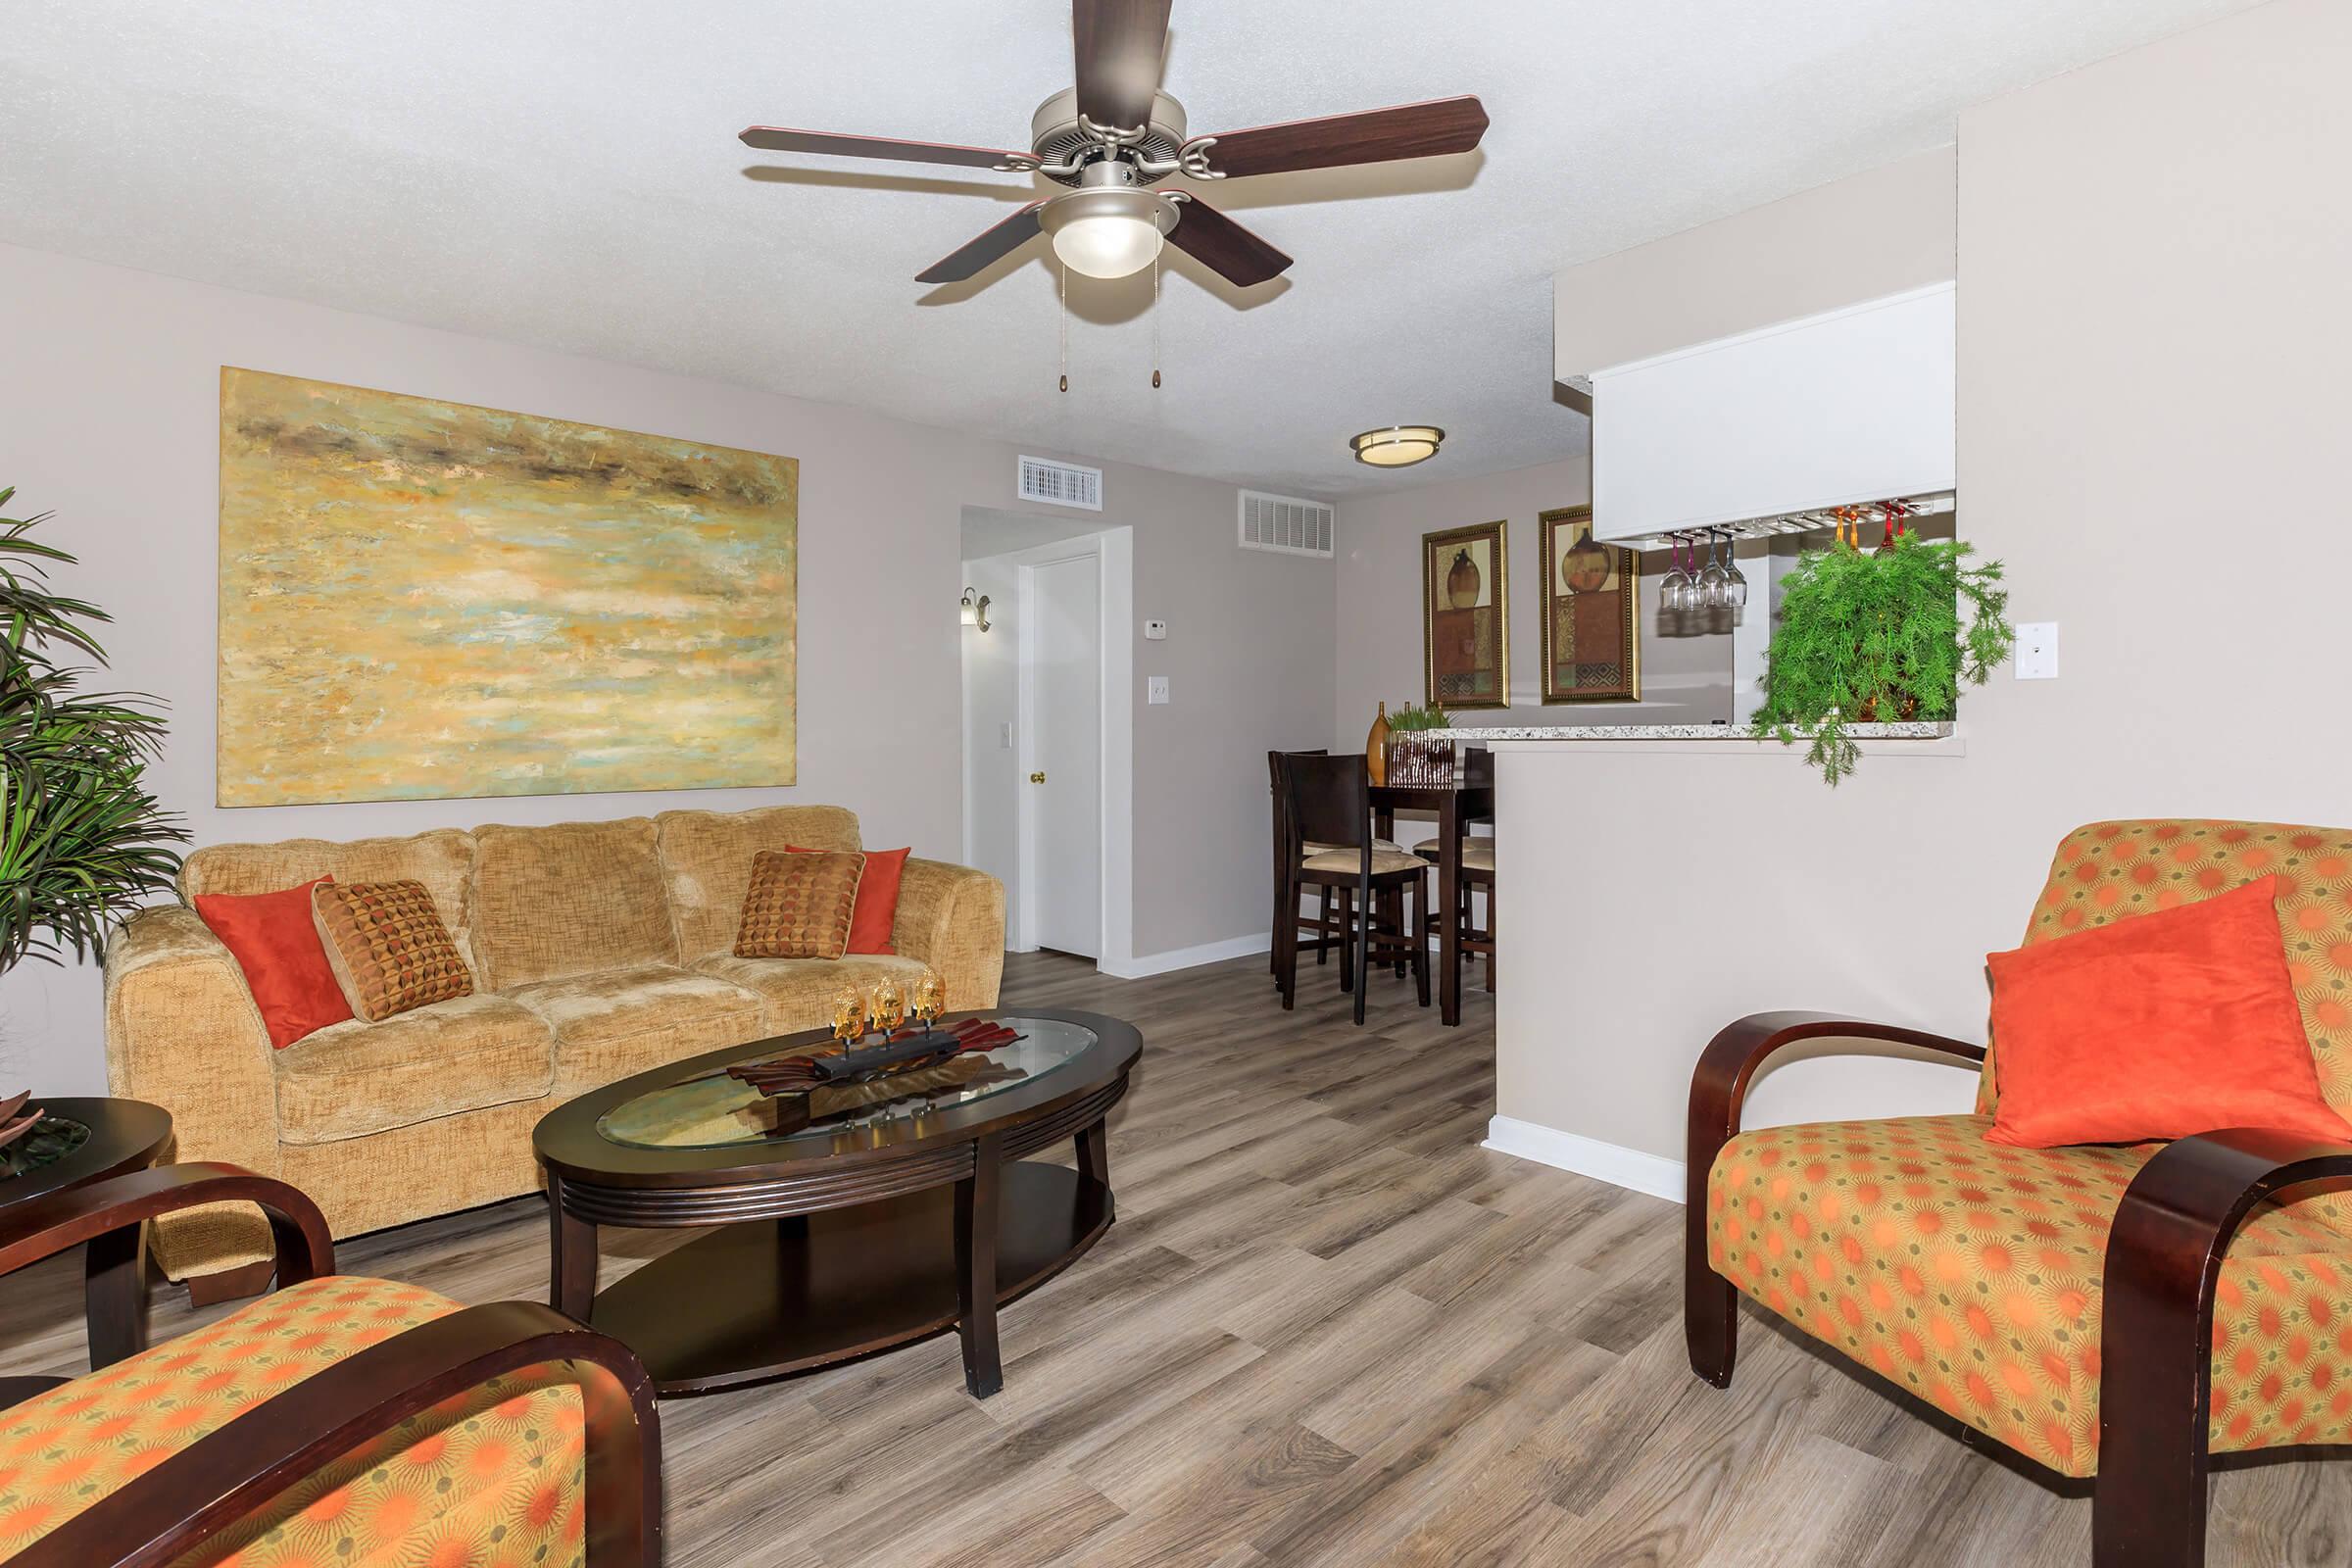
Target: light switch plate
x,y
2037,651
1155,689
1155,631
1005,736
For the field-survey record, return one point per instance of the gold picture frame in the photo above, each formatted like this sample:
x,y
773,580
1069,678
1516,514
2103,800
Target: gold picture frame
x,y
1467,616
1591,612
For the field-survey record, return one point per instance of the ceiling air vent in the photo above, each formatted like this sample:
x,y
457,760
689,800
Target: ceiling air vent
x,y
1062,484
1285,524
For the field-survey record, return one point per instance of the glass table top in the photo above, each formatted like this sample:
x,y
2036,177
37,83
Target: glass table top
x,y
713,1110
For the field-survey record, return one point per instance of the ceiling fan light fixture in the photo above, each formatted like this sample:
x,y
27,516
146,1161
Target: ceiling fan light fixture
x,y
1398,446
1108,230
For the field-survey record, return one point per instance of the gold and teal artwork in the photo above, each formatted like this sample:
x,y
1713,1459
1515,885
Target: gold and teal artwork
x,y
427,601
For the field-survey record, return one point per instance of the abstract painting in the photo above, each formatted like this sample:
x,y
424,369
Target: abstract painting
x,y
1592,647
1467,616
424,599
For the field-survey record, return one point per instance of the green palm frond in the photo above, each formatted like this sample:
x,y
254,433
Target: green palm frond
x,y
83,841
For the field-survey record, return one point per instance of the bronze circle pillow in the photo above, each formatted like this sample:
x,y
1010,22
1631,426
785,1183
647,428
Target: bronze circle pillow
x,y
388,948
800,906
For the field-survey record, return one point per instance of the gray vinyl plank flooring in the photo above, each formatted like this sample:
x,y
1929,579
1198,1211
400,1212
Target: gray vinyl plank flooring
x,y
1327,1330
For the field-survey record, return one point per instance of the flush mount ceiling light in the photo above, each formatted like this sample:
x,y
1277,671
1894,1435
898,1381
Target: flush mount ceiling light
x,y
1399,446
1109,226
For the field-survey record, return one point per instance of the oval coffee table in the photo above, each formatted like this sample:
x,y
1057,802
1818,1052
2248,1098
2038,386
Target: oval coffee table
x,y
843,1221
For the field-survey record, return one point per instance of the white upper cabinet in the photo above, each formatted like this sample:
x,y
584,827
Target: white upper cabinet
x,y
1853,405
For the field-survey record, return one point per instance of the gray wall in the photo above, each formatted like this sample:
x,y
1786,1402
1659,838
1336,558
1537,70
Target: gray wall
x,y
2152,344
111,417
1684,680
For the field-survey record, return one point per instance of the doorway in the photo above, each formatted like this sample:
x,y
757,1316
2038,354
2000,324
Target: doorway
x,y
1048,730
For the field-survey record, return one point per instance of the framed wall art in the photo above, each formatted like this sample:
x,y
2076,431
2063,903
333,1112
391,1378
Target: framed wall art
x,y
1466,617
1591,612
423,600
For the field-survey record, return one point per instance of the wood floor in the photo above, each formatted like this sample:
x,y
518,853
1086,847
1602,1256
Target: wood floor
x,y
1327,1329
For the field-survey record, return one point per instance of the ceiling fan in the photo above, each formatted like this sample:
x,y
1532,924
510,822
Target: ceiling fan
x,y
1115,131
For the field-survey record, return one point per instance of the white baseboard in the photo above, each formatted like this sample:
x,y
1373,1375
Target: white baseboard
x,y
1148,964
1614,1163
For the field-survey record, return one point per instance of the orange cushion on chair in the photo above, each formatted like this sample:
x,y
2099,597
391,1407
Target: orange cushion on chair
x,y
273,940
2162,1025
877,911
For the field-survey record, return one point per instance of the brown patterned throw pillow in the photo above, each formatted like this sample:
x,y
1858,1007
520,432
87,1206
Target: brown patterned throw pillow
x,y
800,906
387,946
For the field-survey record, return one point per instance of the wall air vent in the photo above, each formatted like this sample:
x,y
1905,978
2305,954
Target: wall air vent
x,y
1061,484
1285,524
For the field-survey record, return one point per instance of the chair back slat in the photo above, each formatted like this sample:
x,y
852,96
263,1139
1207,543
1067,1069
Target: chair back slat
x,y
1330,799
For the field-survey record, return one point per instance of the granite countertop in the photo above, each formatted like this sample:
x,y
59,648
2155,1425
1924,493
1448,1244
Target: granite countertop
x,y
1677,732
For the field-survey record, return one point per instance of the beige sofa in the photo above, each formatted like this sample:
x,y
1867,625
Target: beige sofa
x,y
597,949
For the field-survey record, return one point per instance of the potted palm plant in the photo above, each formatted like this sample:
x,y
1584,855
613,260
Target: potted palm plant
x,y
1879,637
83,841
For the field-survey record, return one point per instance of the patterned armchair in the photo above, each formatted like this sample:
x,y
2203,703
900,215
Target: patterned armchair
x,y
2109,1312
349,1421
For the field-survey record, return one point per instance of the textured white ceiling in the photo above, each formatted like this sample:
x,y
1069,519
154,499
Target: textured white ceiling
x,y
566,174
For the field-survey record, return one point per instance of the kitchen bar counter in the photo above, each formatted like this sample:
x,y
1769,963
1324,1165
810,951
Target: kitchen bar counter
x,y
1481,735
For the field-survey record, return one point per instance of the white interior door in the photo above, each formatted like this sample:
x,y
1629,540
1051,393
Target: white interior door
x,y
1065,783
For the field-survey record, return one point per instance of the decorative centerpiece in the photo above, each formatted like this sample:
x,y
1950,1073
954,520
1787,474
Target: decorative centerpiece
x,y
1416,758
16,1121
861,1013
1878,637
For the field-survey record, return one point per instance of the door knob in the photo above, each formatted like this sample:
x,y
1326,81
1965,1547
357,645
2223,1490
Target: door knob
x,y
1036,778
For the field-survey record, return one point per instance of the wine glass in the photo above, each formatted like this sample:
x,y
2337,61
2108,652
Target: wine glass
x,y
848,1015
930,999
886,1005
1735,581
1709,587
1674,585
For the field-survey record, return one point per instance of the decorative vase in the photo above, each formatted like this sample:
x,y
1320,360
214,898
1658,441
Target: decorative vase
x,y
1376,748
1420,760
1462,580
1586,567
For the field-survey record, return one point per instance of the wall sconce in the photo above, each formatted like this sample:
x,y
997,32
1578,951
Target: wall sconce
x,y
975,609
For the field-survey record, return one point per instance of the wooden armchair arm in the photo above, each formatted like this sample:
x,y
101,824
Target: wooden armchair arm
x,y
1719,1085
2164,1255
50,1224
236,1470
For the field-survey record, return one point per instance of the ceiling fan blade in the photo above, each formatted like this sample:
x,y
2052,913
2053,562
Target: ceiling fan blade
x,y
1222,245
1119,45
780,139
985,247
1374,137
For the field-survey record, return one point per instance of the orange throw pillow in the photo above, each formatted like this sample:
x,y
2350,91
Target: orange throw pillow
x,y
877,912
2161,1025
273,940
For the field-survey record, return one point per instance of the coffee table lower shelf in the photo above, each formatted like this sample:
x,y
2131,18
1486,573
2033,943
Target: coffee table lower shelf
x,y
768,1298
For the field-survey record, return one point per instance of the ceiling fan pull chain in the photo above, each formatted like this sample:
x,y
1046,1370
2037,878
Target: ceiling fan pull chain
x,y
1155,264
1065,327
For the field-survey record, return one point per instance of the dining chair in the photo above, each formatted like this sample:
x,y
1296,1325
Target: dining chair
x,y
1327,843
1478,866
1286,902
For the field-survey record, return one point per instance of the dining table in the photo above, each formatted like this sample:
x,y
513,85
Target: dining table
x,y
1456,805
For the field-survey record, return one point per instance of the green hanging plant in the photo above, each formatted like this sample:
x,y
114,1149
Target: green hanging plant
x,y
81,840
1878,637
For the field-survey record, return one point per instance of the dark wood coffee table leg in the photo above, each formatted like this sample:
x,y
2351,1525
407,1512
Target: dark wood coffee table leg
x,y
570,1259
976,1268
115,1294
1094,1154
